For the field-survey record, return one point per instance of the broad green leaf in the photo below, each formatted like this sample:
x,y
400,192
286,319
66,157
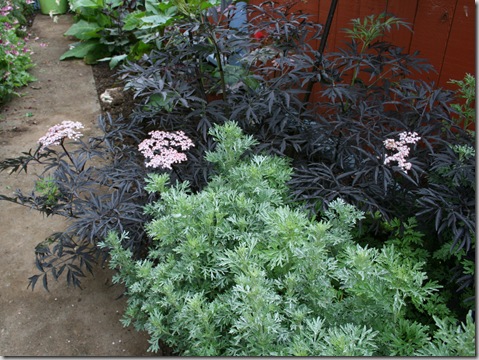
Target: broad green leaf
x,y
84,30
103,20
95,54
80,49
140,48
154,21
151,6
116,59
133,20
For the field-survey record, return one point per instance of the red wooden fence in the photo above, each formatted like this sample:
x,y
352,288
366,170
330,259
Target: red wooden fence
x,y
443,31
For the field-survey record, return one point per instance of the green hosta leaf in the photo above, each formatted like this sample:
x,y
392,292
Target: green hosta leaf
x,y
80,49
90,51
84,30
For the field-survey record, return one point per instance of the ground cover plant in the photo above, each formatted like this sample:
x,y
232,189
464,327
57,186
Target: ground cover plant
x,y
395,148
15,54
235,271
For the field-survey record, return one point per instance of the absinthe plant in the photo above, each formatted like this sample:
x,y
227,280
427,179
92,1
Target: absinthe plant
x,y
235,271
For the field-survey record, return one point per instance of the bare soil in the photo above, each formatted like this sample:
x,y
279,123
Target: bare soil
x,y
66,321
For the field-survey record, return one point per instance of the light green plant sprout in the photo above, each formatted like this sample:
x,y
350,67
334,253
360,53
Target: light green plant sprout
x,y
466,91
373,27
47,188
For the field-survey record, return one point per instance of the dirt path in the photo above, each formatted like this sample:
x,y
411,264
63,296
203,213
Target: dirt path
x,y
66,321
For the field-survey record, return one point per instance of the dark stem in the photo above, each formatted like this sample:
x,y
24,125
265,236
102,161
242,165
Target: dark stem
x,y
322,45
66,152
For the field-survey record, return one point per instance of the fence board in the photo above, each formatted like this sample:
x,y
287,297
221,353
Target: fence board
x,y
431,32
406,11
343,15
458,58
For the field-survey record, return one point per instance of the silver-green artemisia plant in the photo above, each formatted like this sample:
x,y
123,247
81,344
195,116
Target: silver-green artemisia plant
x,y
234,270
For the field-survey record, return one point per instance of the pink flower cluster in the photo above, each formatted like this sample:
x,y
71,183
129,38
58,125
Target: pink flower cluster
x,y
163,148
56,134
7,9
402,149
4,11
17,49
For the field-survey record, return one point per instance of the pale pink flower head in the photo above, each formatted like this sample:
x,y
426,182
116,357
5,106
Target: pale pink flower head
x,y
163,148
402,149
56,134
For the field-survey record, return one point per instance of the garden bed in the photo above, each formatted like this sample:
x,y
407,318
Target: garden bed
x,y
294,227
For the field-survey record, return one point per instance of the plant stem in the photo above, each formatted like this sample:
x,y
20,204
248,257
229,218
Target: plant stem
x,y
67,154
322,45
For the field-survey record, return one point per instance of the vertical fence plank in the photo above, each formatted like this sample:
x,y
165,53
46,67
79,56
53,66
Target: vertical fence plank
x,y
345,12
370,7
406,11
459,55
431,31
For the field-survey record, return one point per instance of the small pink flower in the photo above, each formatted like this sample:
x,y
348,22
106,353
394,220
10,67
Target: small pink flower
x,y
162,149
402,150
57,133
